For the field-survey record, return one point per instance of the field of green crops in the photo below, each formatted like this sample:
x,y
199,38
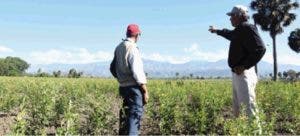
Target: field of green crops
x,y
41,106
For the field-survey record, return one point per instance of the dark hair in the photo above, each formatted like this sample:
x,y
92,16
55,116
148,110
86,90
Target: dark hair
x,y
131,35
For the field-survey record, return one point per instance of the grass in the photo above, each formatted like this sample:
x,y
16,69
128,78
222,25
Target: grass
x,y
91,106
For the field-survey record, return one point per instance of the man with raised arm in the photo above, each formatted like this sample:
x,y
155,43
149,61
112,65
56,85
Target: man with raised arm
x,y
245,51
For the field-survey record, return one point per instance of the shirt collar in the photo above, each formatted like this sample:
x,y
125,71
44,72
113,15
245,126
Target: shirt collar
x,y
242,23
130,40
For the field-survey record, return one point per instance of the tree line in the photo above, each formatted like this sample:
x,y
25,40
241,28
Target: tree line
x,y
289,75
15,66
71,74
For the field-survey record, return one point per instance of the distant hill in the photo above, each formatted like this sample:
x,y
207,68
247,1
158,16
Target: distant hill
x,y
162,69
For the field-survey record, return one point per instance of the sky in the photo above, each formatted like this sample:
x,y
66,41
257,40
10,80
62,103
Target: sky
x,y
87,31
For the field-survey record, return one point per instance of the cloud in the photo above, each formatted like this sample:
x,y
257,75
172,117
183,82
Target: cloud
x,y
75,56
283,58
167,58
189,54
194,52
6,49
268,57
197,54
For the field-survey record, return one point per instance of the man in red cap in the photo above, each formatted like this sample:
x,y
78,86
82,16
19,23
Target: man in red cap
x,y
127,67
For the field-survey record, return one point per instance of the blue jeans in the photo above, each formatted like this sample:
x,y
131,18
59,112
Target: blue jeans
x,y
132,110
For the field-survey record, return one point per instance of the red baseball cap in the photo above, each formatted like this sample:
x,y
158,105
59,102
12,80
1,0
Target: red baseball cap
x,y
133,29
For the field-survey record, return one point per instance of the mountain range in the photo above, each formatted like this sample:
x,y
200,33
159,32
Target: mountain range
x,y
162,69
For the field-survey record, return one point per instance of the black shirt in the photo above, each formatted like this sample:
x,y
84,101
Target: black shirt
x,y
246,46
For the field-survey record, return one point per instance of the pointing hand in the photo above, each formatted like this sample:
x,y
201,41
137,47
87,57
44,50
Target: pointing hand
x,y
212,29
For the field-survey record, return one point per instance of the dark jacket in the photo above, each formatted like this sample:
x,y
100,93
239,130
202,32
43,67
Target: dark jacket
x,y
246,46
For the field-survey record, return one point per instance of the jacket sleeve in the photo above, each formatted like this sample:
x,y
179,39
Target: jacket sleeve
x,y
253,45
228,34
113,67
136,66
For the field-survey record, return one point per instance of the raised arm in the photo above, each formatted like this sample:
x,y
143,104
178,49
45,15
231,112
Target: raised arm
x,y
228,34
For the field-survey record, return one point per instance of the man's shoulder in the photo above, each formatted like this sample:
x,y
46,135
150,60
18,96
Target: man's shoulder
x,y
120,45
248,26
125,44
129,45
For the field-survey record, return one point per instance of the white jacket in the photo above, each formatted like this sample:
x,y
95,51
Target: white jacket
x,y
129,64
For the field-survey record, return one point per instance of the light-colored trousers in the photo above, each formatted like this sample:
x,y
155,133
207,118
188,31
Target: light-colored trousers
x,y
244,92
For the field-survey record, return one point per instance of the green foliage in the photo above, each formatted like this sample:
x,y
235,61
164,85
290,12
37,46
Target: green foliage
x,y
64,106
57,73
273,15
294,40
289,75
41,74
74,74
12,66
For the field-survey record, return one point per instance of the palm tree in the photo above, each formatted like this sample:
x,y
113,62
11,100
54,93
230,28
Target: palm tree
x,y
294,40
272,16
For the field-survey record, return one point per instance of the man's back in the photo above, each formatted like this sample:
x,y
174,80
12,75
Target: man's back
x,y
124,51
127,67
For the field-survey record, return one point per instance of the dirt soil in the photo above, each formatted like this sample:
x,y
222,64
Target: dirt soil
x,y
6,122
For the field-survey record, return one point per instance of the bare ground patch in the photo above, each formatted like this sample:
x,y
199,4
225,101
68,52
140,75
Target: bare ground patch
x,y
6,122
